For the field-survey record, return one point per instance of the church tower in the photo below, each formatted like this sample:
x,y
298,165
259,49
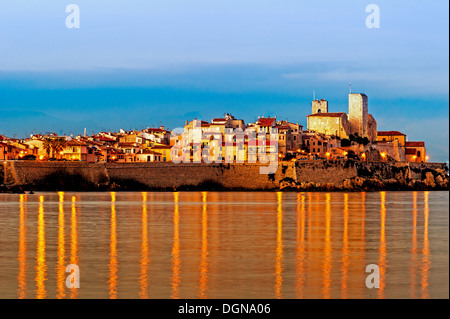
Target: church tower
x,y
319,106
358,114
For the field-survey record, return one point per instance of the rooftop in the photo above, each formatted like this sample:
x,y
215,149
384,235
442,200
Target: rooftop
x,y
338,114
389,133
266,121
414,144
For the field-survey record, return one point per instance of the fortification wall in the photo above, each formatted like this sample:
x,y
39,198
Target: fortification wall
x,y
344,175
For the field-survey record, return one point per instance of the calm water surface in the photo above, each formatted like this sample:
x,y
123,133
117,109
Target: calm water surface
x,y
224,244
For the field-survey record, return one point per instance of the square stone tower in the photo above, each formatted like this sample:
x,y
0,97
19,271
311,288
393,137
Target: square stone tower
x,y
319,106
358,114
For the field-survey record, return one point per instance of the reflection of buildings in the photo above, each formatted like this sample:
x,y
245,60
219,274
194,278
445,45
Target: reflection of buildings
x,y
41,261
61,264
176,261
296,245
113,261
382,246
22,256
279,249
203,268
426,258
74,242
145,261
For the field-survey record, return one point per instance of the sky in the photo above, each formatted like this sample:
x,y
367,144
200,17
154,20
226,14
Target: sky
x,y
135,64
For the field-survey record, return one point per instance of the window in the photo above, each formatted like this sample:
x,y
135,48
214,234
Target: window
x,y
314,150
418,153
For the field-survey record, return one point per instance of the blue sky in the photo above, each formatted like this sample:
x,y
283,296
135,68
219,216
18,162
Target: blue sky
x,y
134,64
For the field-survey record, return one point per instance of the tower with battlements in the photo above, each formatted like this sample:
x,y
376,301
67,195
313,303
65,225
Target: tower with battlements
x,y
319,106
358,114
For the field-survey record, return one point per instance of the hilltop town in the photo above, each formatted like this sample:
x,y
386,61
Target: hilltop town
x,y
328,136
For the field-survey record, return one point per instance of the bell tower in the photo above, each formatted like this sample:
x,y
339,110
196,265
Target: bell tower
x,y
319,106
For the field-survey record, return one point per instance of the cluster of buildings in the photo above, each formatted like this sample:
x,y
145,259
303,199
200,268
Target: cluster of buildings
x,y
329,135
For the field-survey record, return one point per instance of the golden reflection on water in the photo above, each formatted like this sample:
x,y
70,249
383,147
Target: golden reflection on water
x,y
22,256
60,267
301,255
326,267
145,261
362,241
279,249
414,248
203,281
382,247
345,251
41,266
320,250
74,243
176,261
426,263
113,262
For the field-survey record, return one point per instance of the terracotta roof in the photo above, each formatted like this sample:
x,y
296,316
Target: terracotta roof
x,y
125,144
410,151
390,133
105,139
218,120
76,143
265,121
94,143
159,130
161,147
147,151
339,114
414,144
282,127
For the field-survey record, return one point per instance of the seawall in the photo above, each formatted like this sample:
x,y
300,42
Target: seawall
x,y
308,175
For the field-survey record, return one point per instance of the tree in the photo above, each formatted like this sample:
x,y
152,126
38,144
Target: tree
x,y
365,141
59,144
47,145
345,142
54,145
